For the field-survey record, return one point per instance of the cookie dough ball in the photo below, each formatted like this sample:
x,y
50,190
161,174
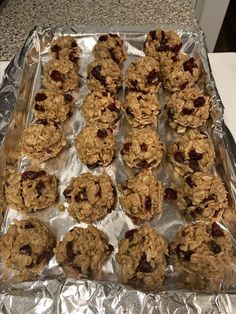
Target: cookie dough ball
x,y
101,108
96,147
144,75
65,48
90,197
142,258
60,75
110,46
188,108
26,248
141,109
82,252
143,149
141,196
202,196
205,252
31,190
162,44
52,105
192,152
180,72
42,140
104,75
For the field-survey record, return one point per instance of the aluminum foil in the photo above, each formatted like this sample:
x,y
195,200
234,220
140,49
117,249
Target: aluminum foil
x,y
53,292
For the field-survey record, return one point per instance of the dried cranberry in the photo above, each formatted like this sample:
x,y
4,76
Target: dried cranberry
x,y
110,248
199,102
187,111
73,44
127,146
135,282
176,48
40,186
188,201
103,38
169,114
29,225
113,55
143,164
215,247
55,48
194,165
39,108
42,121
129,112
81,196
69,250
153,35
148,203
144,266
187,255
57,76
195,155
179,157
190,182
113,107
189,65
134,83
152,76
170,194
216,231
184,85
40,97
139,97
66,192
183,254
163,43
32,175
73,57
211,197
102,133
198,210
144,147
68,97
26,250
45,256
96,72
175,58
130,233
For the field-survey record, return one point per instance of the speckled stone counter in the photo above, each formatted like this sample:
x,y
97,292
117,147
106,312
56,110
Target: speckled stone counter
x,y
17,17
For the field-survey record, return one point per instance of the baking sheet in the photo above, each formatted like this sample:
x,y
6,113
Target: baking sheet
x,y
53,292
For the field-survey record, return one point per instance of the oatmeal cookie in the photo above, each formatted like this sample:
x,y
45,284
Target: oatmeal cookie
x,y
141,109
192,151
90,197
101,108
110,46
202,196
143,74
204,251
104,75
52,105
60,75
96,147
162,44
82,252
141,196
31,190
26,248
143,149
142,256
180,72
42,140
65,48
188,108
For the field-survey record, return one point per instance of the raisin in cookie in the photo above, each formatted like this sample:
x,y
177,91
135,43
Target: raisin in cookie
x,y
188,108
142,256
82,252
110,46
143,149
65,48
141,109
143,74
52,105
141,196
42,140
162,44
101,108
192,152
90,197
104,75
96,147
26,248
180,72
202,196
205,252
60,75
31,190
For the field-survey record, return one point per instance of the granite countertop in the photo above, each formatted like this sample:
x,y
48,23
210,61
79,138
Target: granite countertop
x,y
17,18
